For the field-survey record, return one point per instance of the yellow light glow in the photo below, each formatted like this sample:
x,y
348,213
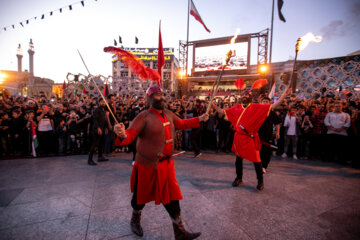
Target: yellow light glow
x,y
309,37
263,68
2,75
182,73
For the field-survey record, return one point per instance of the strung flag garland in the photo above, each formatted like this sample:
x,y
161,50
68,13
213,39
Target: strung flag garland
x,y
3,29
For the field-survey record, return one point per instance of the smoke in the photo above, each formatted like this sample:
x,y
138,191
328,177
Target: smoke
x,y
355,10
333,29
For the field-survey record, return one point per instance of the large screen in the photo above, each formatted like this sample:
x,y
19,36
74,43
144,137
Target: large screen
x,y
209,54
211,58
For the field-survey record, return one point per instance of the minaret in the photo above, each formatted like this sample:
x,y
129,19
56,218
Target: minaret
x,y
19,57
31,57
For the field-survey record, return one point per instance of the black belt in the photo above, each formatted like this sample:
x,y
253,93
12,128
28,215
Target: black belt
x,y
242,128
163,158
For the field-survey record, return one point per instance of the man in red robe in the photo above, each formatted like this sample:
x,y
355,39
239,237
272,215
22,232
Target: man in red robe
x,y
246,119
153,175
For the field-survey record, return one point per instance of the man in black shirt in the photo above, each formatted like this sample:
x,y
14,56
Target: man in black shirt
x,y
98,131
266,134
17,129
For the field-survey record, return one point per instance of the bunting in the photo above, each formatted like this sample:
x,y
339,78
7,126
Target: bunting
x,y
43,15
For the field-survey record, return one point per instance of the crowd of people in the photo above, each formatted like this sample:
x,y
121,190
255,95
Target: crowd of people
x,y
319,128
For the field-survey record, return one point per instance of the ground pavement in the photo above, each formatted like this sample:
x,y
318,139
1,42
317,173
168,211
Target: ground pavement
x,y
64,198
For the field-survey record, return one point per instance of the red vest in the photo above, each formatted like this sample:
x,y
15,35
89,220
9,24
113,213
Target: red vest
x,y
247,142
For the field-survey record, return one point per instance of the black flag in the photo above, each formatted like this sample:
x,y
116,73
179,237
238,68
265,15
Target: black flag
x,y
280,4
136,40
115,43
120,40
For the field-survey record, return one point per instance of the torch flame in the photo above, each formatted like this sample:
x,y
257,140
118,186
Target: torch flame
x,y
305,40
231,52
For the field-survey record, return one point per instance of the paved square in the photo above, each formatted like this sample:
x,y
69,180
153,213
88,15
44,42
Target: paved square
x,y
64,198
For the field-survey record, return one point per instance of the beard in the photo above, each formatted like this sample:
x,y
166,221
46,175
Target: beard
x,y
245,100
158,104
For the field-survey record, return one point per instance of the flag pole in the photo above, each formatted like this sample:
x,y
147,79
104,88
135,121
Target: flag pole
x,y
271,33
271,41
187,40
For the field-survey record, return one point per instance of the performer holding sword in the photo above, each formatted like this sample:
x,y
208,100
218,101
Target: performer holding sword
x,y
247,118
153,175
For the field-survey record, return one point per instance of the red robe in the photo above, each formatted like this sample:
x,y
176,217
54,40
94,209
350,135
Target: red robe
x,y
158,183
251,118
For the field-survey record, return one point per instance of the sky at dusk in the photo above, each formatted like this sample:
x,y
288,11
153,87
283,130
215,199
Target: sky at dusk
x,y
90,28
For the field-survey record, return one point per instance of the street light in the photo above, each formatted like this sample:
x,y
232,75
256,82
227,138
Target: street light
x,y
263,68
2,77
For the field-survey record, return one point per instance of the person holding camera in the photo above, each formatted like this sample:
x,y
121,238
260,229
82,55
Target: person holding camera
x,y
45,130
292,131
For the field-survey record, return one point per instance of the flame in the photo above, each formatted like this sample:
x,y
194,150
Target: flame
x,y
305,40
231,52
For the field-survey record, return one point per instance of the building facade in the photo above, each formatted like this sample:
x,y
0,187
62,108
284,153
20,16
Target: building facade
x,y
25,83
127,83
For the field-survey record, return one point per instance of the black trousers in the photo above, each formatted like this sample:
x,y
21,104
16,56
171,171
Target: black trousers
x,y
239,169
265,155
224,139
337,148
196,139
98,141
173,208
46,142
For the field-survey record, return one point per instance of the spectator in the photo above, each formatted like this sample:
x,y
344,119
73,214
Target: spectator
x,y
337,123
291,124
17,131
224,132
45,130
5,133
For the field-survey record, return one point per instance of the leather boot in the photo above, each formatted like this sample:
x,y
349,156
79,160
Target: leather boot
x,y
180,232
259,175
91,162
135,223
237,182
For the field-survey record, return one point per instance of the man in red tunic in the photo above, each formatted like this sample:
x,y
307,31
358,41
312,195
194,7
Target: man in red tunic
x,y
153,175
246,119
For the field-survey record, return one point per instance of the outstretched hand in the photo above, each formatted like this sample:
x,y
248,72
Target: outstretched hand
x,y
119,130
204,117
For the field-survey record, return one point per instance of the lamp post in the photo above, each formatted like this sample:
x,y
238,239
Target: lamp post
x,y
182,74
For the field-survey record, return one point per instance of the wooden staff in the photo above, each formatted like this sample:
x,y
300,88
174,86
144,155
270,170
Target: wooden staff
x,y
92,78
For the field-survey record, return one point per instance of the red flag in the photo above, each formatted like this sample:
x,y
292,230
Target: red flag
x,y
106,90
64,85
134,63
84,91
259,83
196,15
240,84
161,59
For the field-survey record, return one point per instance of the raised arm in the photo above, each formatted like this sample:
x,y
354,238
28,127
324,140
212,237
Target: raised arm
x,y
219,110
282,97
